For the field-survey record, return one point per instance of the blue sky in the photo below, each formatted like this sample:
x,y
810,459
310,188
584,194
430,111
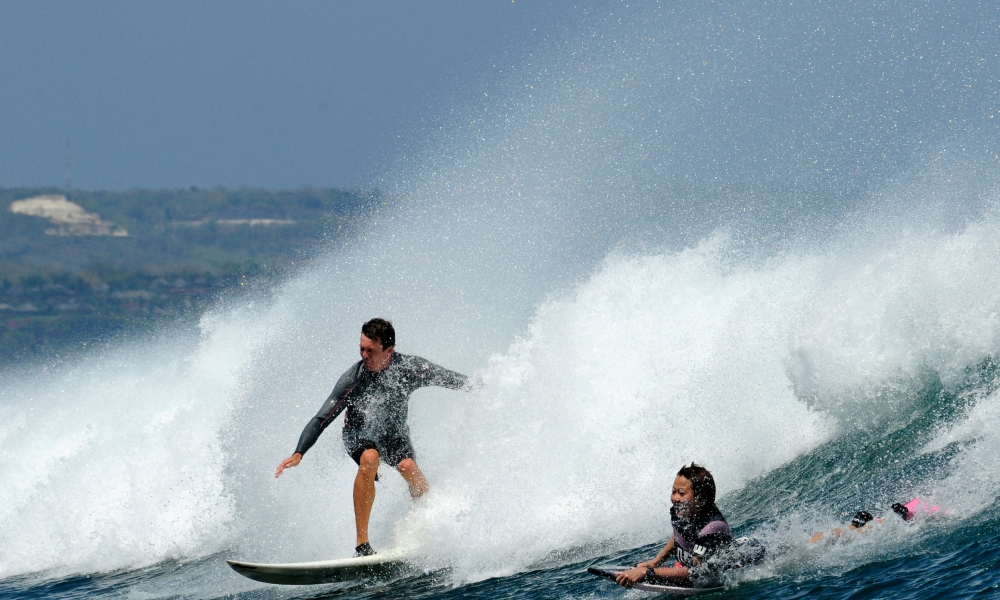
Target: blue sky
x,y
270,94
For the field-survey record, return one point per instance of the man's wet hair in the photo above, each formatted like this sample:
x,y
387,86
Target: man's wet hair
x,y
381,331
702,483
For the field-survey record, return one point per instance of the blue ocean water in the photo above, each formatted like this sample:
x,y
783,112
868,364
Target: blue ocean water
x,y
962,564
757,235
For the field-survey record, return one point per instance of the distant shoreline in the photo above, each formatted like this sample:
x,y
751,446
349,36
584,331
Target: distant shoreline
x,y
82,265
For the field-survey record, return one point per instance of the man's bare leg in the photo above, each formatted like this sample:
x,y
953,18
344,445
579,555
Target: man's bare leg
x,y
414,477
364,492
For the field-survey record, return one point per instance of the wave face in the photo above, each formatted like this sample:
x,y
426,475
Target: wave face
x,y
763,238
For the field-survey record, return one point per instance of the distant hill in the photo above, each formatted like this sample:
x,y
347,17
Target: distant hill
x,y
76,267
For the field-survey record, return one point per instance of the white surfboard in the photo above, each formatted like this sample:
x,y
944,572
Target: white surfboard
x,y
609,573
323,571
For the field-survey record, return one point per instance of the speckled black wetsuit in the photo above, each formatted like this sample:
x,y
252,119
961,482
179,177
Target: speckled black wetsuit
x,y
697,543
377,406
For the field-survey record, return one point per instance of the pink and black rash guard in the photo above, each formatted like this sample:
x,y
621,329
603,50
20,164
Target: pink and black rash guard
x,y
701,536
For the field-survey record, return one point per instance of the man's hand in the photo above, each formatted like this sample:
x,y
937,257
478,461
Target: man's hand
x,y
291,461
630,577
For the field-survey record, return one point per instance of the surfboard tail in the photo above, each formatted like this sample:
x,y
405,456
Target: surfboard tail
x,y
332,571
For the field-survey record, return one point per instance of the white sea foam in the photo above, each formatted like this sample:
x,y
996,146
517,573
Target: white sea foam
x,y
922,303
574,439
651,362
659,360
113,459
973,480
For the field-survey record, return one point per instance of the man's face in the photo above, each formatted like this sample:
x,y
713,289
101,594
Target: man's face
x,y
373,356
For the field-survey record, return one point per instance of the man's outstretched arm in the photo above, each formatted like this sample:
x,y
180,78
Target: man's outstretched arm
x,y
432,374
310,434
335,404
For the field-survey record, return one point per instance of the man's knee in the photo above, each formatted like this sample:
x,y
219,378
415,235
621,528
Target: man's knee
x,y
368,460
407,464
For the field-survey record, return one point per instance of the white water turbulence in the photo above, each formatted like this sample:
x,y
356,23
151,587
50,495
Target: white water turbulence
x,y
114,459
662,359
665,234
900,304
653,362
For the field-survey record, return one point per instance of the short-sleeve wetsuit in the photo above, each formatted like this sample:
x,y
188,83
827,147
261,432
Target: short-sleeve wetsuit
x,y
700,538
377,405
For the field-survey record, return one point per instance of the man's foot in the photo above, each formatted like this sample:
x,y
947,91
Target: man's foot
x,y
363,550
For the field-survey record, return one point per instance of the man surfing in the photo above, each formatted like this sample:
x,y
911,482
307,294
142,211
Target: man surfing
x,y
375,392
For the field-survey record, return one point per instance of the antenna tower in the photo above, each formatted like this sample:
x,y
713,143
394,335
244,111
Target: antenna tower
x,y
69,169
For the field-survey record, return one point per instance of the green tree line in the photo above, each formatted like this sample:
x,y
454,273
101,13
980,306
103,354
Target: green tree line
x,y
180,254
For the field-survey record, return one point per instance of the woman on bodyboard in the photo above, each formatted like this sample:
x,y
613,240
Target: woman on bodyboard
x,y
701,542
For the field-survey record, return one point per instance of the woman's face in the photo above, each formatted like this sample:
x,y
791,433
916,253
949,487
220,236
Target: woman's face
x,y
682,495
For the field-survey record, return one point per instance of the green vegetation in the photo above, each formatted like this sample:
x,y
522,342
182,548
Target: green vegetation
x,y
182,250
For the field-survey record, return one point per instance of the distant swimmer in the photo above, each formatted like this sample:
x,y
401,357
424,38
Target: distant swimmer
x,y
916,507
375,392
702,545
863,520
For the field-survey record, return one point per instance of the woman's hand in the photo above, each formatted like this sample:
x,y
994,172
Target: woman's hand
x,y
630,577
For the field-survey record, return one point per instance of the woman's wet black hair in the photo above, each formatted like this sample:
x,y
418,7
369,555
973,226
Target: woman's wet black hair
x,y
702,483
